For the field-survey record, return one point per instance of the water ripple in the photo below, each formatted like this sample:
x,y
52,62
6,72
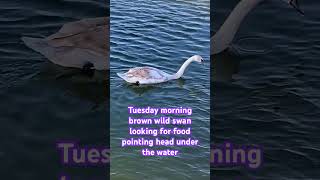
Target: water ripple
x,y
162,34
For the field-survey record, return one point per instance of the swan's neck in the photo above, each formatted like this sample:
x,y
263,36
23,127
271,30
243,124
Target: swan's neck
x,y
182,69
223,38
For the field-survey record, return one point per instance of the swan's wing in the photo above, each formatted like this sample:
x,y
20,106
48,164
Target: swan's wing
x,y
37,44
90,34
144,75
76,44
81,26
67,56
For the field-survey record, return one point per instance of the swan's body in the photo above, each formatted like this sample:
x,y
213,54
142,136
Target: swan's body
x,y
145,75
224,36
151,75
77,43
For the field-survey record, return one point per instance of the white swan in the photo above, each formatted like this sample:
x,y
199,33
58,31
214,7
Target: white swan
x,y
150,75
81,44
223,38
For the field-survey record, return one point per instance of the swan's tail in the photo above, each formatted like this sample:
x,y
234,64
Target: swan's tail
x,y
39,45
121,75
36,44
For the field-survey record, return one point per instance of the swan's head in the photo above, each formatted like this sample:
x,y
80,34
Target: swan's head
x,y
197,58
295,4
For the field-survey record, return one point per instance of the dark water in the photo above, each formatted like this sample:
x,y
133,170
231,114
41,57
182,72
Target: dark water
x,y
37,108
270,98
162,34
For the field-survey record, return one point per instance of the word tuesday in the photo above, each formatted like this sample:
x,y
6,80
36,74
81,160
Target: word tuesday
x,y
155,111
147,110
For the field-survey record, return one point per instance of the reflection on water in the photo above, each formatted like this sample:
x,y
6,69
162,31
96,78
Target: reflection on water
x,y
227,63
141,89
75,83
224,66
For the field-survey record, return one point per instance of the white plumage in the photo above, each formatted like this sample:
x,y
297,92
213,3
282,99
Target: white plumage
x,y
151,75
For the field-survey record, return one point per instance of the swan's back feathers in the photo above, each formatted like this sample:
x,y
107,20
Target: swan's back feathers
x,y
89,33
76,44
67,56
78,27
144,75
